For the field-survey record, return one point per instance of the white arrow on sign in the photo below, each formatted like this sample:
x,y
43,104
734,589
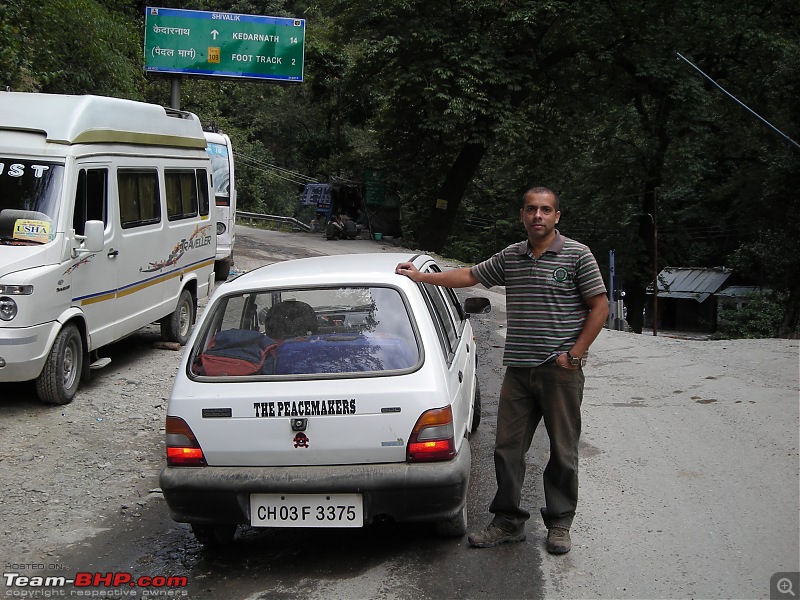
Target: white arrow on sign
x,y
215,33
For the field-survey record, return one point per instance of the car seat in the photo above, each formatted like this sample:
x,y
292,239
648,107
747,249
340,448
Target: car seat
x,y
290,318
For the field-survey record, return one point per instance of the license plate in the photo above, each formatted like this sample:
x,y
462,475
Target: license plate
x,y
306,510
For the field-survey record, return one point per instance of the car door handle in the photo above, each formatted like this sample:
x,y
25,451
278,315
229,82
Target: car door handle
x,y
460,377
113,253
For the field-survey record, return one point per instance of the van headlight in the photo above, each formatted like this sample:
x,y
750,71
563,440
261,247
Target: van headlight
x,y
220,228
8,308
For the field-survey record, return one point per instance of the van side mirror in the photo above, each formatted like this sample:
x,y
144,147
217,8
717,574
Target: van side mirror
x,y
94,236
477,306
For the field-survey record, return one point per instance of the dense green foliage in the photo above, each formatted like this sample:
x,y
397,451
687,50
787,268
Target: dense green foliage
x,y
464,105
759,316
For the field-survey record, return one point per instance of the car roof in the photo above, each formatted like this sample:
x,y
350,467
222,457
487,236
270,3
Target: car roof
x,y
373,268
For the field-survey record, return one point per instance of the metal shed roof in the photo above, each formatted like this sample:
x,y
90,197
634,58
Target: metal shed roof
x,y
690,283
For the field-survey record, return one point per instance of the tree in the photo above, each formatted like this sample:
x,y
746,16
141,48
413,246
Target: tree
x,y
74,47
466,104
447,76
628,118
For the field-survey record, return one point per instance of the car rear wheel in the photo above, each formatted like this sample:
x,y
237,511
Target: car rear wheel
x,y
455,526
177,327
216,535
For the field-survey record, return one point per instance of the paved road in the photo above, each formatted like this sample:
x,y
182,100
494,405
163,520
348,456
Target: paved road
x,y
690,483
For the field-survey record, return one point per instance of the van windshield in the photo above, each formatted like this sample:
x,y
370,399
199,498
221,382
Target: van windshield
x,y
220,171
29,200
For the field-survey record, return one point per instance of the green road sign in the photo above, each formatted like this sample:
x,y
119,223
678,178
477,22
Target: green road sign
x,y
197,42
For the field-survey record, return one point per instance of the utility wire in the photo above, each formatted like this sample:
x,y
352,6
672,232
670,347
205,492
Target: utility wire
x,y
742,104
275,170
275,167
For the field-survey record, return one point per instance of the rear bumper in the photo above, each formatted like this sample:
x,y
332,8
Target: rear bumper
x,y
403,492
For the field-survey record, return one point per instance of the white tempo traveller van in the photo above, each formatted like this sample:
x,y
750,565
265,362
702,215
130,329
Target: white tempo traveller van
x,y
220,151
105,226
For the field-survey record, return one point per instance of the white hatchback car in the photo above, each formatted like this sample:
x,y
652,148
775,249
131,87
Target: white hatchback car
x,y
324,392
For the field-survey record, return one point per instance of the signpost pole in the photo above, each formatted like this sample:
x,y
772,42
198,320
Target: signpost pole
x,y
655,261
612,295
175,92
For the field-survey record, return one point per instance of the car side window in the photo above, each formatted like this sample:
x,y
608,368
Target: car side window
x,y
452,303
443,318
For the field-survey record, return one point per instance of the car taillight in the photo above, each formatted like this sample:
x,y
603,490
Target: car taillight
x,y
432,437
183,450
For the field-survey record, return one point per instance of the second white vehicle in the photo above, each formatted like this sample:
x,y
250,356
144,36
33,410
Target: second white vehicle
x,y
223,175
325,392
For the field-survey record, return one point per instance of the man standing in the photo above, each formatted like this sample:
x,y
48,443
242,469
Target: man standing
x,y
556,306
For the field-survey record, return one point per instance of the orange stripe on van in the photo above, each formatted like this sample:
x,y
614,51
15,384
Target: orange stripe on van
x,y
146,284
96,299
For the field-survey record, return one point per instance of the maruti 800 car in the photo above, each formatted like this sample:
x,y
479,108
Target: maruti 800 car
x,y
325,392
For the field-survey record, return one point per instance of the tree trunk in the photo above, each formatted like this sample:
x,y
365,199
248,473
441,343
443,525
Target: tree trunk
x,y
648,219
443,209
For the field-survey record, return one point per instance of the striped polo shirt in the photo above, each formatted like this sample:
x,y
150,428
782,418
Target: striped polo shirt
x,y
544,297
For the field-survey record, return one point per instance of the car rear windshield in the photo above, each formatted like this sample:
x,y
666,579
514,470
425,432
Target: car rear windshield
x,y
319,333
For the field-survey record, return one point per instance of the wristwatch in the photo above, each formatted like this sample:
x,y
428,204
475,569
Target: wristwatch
x,y
575,361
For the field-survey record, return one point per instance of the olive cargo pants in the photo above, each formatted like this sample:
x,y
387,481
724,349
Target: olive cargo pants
x,y
527,396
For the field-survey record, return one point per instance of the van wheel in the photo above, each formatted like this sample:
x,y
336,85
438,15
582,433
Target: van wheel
x,y
62,371
178,326
477,409
222,268
454,526
214,536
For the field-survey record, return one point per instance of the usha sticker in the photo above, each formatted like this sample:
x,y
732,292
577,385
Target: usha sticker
x,y
31,230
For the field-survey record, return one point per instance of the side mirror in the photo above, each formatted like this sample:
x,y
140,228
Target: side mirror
x,y
94,236
477,306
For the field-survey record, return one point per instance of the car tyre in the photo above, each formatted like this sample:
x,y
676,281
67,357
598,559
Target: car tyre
x,y
215,535
455,526
177,327
59,379
477,408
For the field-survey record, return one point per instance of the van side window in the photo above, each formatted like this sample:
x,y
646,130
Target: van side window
x,y
202,188
181,189
138,198
91,198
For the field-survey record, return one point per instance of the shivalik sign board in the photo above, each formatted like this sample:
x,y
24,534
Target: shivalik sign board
x,y
194,42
